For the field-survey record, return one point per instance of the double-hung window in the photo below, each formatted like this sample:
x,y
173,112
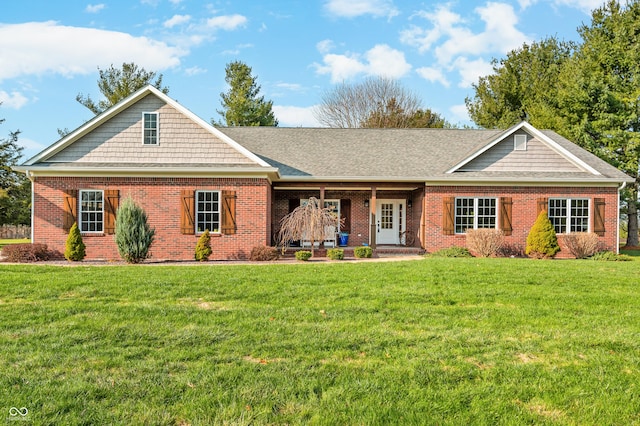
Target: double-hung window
x,y
475,213
91,212
150,128
207,211
569,215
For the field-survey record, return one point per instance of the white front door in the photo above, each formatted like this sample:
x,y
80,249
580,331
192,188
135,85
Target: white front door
x,y
390,221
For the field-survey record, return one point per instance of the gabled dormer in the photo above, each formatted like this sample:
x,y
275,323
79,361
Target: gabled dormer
x,y
523,148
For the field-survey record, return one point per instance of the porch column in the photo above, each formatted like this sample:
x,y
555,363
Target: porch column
x,y
372,206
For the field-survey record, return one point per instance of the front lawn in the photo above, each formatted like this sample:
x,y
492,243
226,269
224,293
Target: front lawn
x,y
434,341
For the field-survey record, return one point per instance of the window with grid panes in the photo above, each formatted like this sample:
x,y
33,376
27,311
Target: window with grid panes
x,y
207,211
91,211
569,214
475,213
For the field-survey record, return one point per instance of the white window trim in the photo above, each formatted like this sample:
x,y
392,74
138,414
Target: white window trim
x,y
520,142
475,214
568,215
196,211
157,128
80,222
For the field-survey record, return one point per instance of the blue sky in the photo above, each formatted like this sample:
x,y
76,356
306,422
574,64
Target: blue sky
x,y
50,50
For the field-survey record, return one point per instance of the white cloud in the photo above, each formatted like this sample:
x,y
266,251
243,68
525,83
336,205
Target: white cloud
x,y
175,2
176,20
37,48
380,60
434,75
194,71
293,87
325,46
31,147
459,114
470,71
14,100
227,22
457,47
94,8
585,5
353,8
291,116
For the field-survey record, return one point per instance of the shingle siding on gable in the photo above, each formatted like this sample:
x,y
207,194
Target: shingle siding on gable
x,y
181,141
538,157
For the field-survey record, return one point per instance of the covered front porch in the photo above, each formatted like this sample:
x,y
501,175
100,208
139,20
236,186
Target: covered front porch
x,y
378,215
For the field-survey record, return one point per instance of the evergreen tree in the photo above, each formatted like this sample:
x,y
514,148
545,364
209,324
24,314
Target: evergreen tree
x,y
116,84
203,247
133,236
74,249
15,188
542,241
242,105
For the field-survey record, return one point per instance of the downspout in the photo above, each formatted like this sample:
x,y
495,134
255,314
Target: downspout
x,y
624,184
32,178
423,219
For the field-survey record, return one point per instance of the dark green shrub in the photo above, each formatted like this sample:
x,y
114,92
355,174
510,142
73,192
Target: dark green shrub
x,y
21,253
363,252
303,255
264,253
453,251
609,256
133,233
74,248
542,242
203,247
335,254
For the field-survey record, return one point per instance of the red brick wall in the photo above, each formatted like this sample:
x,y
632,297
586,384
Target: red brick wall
x,y
160,198
524,212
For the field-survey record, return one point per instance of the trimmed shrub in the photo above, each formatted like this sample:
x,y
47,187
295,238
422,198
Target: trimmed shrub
x,y
264,253
485,242
582,244
453,251
609,256
542,242
133,234
303,255
22,253
203,247
74,248
335,254
363,252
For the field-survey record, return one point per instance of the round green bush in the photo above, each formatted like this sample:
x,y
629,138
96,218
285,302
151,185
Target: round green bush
x,y
335,254
453,251
303,255
363,252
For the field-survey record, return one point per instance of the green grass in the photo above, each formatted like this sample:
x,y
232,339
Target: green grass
x,y
4,242
435,341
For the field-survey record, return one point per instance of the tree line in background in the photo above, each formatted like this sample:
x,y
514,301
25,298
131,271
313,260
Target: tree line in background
x,y
588,92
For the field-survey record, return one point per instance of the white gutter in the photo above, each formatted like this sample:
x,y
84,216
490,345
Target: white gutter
x,y
32,179
620,188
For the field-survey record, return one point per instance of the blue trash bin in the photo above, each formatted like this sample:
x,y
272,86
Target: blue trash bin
x,y
343,239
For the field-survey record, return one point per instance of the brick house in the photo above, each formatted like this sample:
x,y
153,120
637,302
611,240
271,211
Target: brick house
x,y
392,187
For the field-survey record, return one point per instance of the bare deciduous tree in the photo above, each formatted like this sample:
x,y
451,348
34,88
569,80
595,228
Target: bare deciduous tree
x,y
364,104
309,222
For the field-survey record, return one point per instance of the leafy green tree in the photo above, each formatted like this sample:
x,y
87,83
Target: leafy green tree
x,y
74,249
523,86
134,236
15,188
542,241
115,84
600,96
242,105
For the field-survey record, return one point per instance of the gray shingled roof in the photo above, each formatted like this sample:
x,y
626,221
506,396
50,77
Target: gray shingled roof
x,y
395,154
